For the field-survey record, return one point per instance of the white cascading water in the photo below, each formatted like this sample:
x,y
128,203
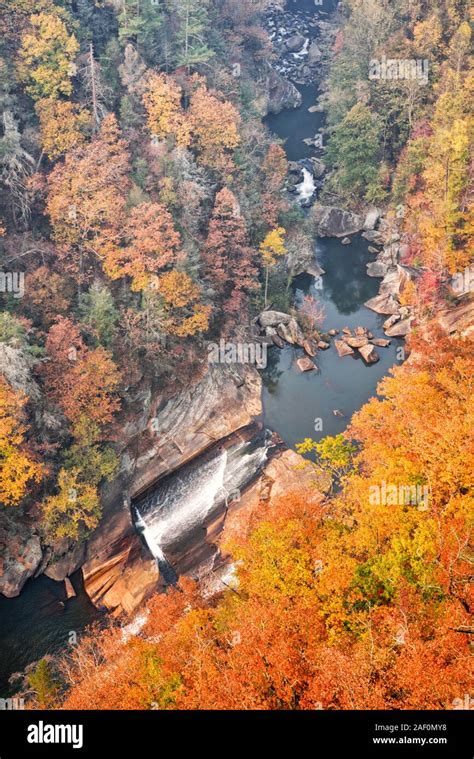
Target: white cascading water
x,y
184,501
303,51
149,537
307,187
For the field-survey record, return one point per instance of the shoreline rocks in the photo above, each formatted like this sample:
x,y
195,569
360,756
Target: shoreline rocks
x,y
343,348
361,341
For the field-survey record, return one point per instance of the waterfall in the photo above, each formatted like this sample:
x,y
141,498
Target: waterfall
x,y
307,187
166,570
147,533
182,502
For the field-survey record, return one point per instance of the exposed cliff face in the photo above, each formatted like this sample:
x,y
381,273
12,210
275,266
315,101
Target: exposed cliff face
x,y
162,435
458,319
20,546
225,399
17,369
118,570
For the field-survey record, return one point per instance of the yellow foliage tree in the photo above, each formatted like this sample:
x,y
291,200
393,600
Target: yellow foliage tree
x,y
271,249
162,100
17,467
47,57
185,315
74,511
63,125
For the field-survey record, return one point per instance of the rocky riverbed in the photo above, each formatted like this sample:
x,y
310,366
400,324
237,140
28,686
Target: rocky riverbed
x,y
301,38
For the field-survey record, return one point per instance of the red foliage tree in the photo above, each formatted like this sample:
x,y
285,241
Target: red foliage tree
x,y
229,265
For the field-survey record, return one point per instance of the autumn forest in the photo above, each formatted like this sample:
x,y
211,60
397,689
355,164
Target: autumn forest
x,y
147,212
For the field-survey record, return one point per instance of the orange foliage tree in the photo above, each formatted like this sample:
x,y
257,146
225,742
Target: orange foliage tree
x,y
83,382
87,197
63,126
341,603
215,128
151,243
165,115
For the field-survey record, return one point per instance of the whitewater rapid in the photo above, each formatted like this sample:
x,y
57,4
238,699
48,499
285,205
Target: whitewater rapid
x,y
307,187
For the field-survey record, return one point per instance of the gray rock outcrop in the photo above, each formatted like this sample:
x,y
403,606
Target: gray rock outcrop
x,y
330,221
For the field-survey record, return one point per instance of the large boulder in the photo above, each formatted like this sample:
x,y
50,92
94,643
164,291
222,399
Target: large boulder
x,y
294,43
371,218
305,364
397,279
273,318
330,221
314,269
279,93
356,342
122,580
390,254
374,236
383,303
376,269
399,329
311,347
69,588
369,354
300,256
67,558
319,167
314,53
391,321
291,332
342,348
20,552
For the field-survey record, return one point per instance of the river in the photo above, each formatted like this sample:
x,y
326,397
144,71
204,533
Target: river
x,y
39,621
299,405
